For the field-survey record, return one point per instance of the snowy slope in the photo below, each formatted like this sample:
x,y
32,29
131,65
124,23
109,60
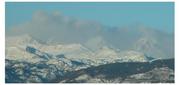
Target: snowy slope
x,y
32,61
16,47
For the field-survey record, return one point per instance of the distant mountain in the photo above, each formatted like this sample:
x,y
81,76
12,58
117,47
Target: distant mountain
x,y
57,48
142,39
26,48
29,60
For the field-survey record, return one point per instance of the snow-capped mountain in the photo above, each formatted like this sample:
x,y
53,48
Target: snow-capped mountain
x,y
52,47
26,46
32,61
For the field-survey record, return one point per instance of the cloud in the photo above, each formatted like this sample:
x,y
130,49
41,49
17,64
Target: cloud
x,y
56,26
63,29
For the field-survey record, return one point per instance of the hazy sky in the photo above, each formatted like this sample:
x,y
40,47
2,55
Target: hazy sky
x,y
155,15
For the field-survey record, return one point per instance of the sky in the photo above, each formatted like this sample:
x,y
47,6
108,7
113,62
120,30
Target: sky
x,y
155,15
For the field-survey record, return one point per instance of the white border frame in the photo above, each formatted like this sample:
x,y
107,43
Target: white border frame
x,y
2,34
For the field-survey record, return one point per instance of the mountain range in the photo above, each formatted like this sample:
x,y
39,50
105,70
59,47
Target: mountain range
x,y
28,60
55,48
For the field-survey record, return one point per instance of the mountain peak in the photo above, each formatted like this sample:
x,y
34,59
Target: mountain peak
x,y
21,41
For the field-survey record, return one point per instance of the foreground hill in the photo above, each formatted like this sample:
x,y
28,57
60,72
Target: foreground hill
x,y
136,72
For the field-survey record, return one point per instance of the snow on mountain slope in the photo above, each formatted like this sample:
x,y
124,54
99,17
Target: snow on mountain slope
x,y
16,48
71,51
15,53
28,60
21,41
132,56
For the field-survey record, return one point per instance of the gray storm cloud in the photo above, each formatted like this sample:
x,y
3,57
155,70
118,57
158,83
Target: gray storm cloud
x,y
63,29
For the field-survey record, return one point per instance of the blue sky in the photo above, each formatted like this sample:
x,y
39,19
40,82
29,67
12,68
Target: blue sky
x,y
155,15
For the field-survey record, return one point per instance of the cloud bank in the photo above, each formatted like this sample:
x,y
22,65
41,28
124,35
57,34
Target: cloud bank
x,y
66,30
56,27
